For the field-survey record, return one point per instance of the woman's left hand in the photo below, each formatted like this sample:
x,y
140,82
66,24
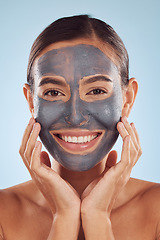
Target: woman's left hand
x,y
99,197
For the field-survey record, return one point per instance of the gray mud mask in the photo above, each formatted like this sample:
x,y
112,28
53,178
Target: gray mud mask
x,y
73,64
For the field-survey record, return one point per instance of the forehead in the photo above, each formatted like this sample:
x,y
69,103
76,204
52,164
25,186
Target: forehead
x,y
80,60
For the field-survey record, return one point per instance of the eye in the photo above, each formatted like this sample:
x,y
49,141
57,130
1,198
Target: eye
x,y
97,91
53,93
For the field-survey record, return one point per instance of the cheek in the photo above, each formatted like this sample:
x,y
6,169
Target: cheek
x,y
106,112
47,113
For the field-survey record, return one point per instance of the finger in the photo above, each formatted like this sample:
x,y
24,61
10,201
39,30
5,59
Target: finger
x,y
44,158
117,170
112,159
126,164
123,132
41,170
26,135
135,149
139,149
130,130
31,141
125,155
35,163
136,133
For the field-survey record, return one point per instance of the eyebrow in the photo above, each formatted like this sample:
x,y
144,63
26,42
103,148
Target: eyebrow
x,y
53,81
97,78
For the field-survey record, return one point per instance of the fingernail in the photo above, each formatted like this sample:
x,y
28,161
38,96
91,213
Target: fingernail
x,y
121,124
35,126
133,125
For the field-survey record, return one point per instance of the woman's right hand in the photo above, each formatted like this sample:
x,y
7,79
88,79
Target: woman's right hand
x,y
60,195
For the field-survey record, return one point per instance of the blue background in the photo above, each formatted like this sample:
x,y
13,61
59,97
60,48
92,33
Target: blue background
x,y
138,24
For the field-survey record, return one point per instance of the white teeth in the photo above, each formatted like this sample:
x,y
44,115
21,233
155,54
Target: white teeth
x,y
80,139
88,138
65,139
70,139
74,139
85,139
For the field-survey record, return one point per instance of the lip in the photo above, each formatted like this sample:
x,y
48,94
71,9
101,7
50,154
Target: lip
x,y
78,148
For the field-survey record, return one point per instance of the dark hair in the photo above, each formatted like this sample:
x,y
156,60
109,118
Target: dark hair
x,y
81,26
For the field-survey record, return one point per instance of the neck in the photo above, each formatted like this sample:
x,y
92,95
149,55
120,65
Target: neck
x,y
79,180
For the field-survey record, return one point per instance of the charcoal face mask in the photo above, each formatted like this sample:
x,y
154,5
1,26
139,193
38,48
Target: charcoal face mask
x,y
73,64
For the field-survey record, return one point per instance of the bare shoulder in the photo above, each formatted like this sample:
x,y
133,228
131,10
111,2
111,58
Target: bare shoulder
x,y
20,206
145,189
16,195
14,199
138,205
148,199
11,204
147,193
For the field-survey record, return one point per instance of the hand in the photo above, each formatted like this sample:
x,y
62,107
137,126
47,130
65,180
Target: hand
x,y
100,195
61,197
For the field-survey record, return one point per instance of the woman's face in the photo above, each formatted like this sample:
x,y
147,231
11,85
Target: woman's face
x,y
78,102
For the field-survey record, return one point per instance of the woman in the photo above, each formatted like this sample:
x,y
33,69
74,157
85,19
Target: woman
x,y
80,96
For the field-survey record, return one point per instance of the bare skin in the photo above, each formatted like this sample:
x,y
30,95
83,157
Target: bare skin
x,y
25,214
101,203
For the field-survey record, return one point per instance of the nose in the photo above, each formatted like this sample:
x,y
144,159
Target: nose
x,y
75,112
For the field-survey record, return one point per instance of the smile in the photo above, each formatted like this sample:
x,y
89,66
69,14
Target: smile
x,y
77,142
79,139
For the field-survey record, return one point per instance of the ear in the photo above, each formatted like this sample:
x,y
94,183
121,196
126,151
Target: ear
x,y
29,97
129,95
